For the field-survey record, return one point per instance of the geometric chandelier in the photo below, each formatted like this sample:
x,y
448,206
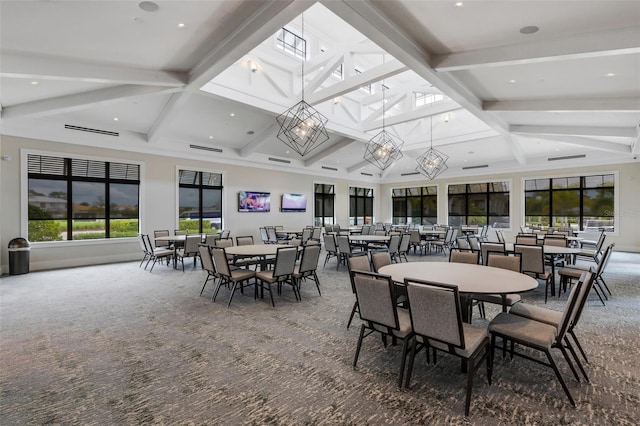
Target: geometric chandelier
x,y
382,150
302,127
432,162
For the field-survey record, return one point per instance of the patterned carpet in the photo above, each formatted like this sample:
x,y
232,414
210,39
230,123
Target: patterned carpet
x,y
115,345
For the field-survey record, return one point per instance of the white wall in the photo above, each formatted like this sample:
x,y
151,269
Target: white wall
x,y
626,237
158,204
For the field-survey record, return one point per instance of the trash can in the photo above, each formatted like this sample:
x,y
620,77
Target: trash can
x,y
19,250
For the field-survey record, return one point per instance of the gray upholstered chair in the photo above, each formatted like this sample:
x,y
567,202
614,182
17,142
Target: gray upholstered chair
x,y
282,273
504,261
330,248
207,264
156,253
357,262
528,239
380,259
228,275
486,247
344,249
436,321
533,264
190,249
308,266
471,257
462,243
592,251
380,314
403,249
575,271
540,336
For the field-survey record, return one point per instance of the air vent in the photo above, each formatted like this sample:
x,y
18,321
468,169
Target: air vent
x,y
87,129
409,174
475,167
366,174
566,157
205,148
330,168
279,160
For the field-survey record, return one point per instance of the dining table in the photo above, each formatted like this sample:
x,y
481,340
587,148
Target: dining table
x,y
469,278
259,251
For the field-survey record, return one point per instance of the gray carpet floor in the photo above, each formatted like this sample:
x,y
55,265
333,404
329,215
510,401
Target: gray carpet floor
x,y
117,345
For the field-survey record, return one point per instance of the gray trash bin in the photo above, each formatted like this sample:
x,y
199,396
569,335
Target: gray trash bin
x,y
19,250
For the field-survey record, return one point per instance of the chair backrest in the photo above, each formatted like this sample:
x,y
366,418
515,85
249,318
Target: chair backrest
x,y
473,242
210,239
380,232
220,261
528,239
414,237
555,240
376,299
285,262
570,309
588,280
462,243
161,233
180,232
380,259
359,262
330,243
143,243
484,231
309,260
404,243
191,243
366,230
472,257
486,247
264,236
224,243
600,242
343,245
504,261
147,242
306,234
435,311
532,257
207,259
224,234
316,233
500,235
246,240
273,237
454,235
394,243
605,260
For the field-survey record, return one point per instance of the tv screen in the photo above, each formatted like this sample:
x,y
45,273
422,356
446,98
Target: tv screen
x,y
293,203
250,201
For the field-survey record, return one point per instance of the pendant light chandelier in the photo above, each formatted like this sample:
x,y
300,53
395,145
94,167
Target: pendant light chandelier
x,y
382,150
302,127
432,162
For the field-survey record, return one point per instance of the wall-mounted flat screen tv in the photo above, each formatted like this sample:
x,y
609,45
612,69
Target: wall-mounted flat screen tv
x,y
251,201
293,203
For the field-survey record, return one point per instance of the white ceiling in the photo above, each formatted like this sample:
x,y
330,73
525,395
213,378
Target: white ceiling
x,y
512,100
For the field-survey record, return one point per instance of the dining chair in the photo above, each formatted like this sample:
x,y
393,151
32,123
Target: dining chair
x,y
568,273
539,336
190,249
503,261
592,251
527,239
500,236
416,242
487,247
225,234
145,250
436,321
228,275
357,262
533,264
403,249
156,253
472,257
162,233
331,248
380,314
210,239
344,250
554,318
307,267
380,259
474,243
316,233
462,243
282,273
244,240
306,235
207,264
264,235
393,248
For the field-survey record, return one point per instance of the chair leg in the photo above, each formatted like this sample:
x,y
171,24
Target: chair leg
x,y
355,358
470,371
405,347
575,357
565,354
412,357
353,312
233,290
577,342
559,376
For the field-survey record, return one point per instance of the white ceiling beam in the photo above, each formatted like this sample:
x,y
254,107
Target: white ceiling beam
x,y
435,109
342,143
69,103
350,84
358,166
267,134
590,143
404,89
619,132
516,149
164,119
597,44
323,74
476,137
629,104
378,112
47,68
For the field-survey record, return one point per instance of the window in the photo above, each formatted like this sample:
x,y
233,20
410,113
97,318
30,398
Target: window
x,y
360,206
479,204
324,199
585,202
78,199
292,43
417,205
427,98
200,201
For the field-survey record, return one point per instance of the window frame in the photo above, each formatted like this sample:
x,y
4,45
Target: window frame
x,y
293,50
488,200
324,195
24,196
222,195
422,196
364,197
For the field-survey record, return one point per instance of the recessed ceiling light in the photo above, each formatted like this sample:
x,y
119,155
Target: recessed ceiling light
x,y
233,114
512,81
530,29
34,83
459,4
148,6
210,137
287,152
610,74
181,25
115,119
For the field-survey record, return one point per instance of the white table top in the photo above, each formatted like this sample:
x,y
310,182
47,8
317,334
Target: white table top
x,y
550,249
256,249
432,232
173,238
468,277
369,238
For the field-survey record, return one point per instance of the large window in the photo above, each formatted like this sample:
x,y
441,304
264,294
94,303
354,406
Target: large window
x,y
292,43
324,200
418,205
78,199
585,202
479,204
200,201
360,206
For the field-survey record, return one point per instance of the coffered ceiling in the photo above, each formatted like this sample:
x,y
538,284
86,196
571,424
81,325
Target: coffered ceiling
x,y
517,84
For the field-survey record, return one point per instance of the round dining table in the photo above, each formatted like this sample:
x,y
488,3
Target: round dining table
x,y
469,278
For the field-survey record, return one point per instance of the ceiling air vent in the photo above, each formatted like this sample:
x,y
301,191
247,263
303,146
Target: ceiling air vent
x,y
366,174
330,168
566,157
475,167
87,129
205,148
279,160
409,174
